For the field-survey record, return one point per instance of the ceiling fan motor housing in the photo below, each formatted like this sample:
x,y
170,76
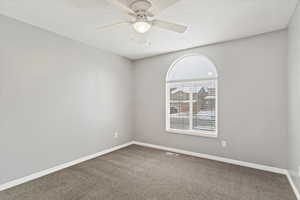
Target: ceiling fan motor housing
x,y
140,6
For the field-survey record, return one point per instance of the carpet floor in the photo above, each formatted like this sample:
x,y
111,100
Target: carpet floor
x,y
140,173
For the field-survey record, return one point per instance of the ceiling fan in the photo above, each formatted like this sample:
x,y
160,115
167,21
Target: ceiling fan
x,y
143,12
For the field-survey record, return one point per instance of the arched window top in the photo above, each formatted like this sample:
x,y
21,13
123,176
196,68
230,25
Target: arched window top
x,y
192,67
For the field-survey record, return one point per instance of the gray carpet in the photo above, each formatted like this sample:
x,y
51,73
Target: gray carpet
x,y
139,173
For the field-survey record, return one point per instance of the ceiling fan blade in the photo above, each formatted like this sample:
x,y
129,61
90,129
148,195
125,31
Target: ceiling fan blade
x,y
169,26
122,4
160,5
113,25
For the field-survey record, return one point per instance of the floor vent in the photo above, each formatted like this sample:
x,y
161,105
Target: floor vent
x,y
172,154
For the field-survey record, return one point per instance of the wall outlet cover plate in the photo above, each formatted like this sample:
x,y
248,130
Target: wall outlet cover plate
x,y
224,143
116,135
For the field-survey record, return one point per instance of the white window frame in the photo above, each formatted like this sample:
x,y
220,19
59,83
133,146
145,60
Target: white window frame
x,y
201,133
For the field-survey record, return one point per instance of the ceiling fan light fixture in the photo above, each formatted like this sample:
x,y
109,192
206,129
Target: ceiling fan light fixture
x,y
143,12
141,26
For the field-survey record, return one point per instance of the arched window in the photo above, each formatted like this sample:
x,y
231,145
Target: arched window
x,y
191,97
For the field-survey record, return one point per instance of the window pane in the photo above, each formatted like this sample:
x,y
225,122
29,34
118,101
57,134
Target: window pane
x,y
179,107
204,105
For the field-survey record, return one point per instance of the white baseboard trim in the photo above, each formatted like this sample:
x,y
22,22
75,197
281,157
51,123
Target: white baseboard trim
x,y
293,184
60,167
217,158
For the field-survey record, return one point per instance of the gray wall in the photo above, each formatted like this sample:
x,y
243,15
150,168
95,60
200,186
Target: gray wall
x,y
252,100
294,97
59,100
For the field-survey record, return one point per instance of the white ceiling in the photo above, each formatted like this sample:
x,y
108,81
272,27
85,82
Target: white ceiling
x,y
209,21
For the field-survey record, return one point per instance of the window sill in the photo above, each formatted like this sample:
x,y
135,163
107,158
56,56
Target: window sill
x,y
209,134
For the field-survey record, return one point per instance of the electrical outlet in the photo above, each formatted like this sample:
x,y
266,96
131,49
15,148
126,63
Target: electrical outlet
x,y
116,135
224,143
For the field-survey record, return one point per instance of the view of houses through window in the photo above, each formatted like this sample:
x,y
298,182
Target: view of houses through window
x,y
193,105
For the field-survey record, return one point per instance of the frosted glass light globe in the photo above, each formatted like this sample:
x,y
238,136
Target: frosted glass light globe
x,y
141,26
